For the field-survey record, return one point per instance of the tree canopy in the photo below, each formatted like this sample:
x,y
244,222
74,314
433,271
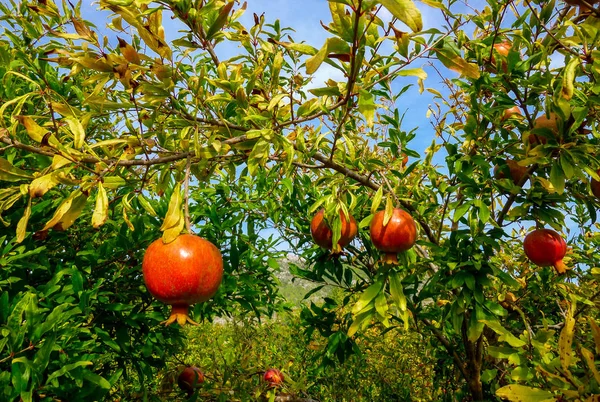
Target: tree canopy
x,y
108,142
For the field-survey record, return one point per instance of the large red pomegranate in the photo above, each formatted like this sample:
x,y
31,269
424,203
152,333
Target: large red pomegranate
x,y
545,247
190,378
186,271
323,235
400,234
273,376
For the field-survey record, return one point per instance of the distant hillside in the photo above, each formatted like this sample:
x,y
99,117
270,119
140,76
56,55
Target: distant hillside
x,y
294,289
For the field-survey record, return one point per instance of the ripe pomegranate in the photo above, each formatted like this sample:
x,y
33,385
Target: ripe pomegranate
x,y
549,123
400,234
273,376
323,235
545,247
404,159
186,271
502,49
190,378
595,185
516,171
508,113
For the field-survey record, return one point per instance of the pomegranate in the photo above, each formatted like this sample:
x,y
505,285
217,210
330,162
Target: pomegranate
x,y
404,159
273,376
545,247
512,112
323,235
186,271
502,49
190,378
549,123
516,171
595,185
400,234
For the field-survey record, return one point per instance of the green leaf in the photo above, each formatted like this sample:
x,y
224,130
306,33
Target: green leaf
x,y
376,200
569,78
366,106
397,292
65,369
557,178
405,11
220,21
8,172
96,379
368,296
504,333
522,393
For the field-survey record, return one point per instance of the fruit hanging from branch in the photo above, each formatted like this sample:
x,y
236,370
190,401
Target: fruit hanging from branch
x,y
323,235
516,171
549,123
397,235
274,377
595,186
545,247
190,378
186,271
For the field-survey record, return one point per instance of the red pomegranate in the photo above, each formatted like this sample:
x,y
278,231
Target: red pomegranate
x,y
190,378
273,376
545,247
595,185
186,271
323,235
400,234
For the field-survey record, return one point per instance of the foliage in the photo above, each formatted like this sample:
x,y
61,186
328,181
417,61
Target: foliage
x,y
109,141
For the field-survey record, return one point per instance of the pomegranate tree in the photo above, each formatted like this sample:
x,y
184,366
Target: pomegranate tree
x,y
190,378
545,247
399,234
186,271
323,235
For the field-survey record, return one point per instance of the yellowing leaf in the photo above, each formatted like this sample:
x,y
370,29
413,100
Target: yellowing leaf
x,y
8,172
456,63
146,205
34,130
405,11
101,210
565,341
174,214
596,333
67,212
77,130
173,232
521,393
389,211
59,161
366,106
589,360
41,185
22,225
569,78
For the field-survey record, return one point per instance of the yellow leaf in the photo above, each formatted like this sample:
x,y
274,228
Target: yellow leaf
x,y
42,184
521,393
77,130
389,211
405,11
34,130
595,333
173,232
565,341
22,225
174,212
101,210
67,212
458,64
59,161
589,360
129,52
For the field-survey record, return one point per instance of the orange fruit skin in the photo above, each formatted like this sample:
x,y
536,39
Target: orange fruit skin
x,y
595,186
400,234
186,271
323,235
516,171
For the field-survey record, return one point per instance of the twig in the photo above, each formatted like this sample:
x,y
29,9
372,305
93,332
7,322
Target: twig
x,y
186,207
